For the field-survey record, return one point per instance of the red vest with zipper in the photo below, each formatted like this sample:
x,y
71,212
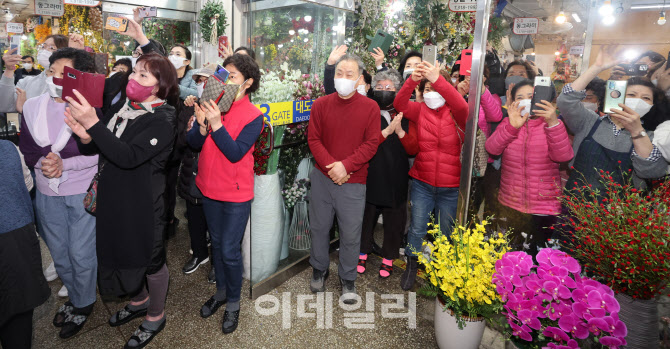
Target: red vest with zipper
x,y
218,178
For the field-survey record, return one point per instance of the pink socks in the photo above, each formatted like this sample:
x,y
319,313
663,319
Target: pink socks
x,y
386,271
362,258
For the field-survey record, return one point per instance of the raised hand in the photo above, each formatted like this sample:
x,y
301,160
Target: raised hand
x,y
378,55
463,87
135,31
608,56
431,72
547,112
76,41
515,118
226,51
336,54
417,74
136,14
11,59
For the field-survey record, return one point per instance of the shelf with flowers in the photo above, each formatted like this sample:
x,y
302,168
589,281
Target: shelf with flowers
x,y
550,305
460,269
620,235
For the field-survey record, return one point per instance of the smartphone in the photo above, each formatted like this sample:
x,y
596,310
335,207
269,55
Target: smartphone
x,y
15,43
221,74
615,93
530,58
382,40
541,92
118,24
466,62
90,85
430,54
635,69
223,42
148,11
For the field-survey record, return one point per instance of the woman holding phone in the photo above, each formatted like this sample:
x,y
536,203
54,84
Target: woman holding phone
x,y
532,151
134,141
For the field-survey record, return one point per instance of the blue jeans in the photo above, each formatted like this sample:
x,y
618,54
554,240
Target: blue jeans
x,y
69,232
226,222
425,198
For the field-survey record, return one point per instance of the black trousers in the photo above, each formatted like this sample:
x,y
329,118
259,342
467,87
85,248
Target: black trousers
x,y
537,229
394,228
17,332
171,176
197,229
491,184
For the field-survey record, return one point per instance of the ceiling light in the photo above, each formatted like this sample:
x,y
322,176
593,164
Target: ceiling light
x,y
308,18
661,18
606,9
576,17
557,53
608,20
630,54
560,19
648,6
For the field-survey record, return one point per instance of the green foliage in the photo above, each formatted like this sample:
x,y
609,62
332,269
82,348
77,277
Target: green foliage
x,y
209,11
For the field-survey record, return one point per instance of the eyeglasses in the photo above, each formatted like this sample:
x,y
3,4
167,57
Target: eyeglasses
x,y
137,53
385,88
51,48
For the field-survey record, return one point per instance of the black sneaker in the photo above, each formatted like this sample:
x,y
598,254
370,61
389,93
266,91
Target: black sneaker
x,y
318,283
211,306
231,317
193,264
349,295
211,278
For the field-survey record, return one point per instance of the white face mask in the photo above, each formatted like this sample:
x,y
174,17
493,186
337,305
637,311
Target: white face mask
x,y
454,80
54,91
133,60
43,58
200,87
361,90
591,106
407,73
525,103
433,100
655,82
345,87
638,105
27,66
177,61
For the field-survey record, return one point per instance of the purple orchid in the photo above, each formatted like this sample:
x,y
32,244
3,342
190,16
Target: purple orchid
x,y
615,326
603,301
556,311
585,312
522,332
556,334
572,324
572,344
596,325
559,258
611,342
556,290
529,318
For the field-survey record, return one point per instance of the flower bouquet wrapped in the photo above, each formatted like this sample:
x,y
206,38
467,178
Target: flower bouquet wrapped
x,y
297,192
549,305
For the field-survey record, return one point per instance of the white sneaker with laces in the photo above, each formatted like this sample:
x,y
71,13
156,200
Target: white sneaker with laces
x,y
50,272
62,292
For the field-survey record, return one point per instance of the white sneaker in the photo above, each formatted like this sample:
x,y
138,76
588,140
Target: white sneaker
x,y
62,292
50,272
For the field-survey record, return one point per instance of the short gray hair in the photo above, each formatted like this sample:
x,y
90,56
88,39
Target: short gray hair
x,y
353,58
390,74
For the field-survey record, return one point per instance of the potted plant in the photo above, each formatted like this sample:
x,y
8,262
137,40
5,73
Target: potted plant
x,y
620,235
549,305
460,268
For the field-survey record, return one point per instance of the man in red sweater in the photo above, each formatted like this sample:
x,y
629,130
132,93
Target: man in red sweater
x,y
343,137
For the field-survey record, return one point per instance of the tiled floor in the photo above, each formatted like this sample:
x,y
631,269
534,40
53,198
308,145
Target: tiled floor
x,y
186,329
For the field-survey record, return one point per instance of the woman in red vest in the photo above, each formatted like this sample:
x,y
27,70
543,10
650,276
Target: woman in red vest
x,y
226,179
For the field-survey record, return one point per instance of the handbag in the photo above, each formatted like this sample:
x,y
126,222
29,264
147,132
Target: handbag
x,y
222,94
481,157
91,197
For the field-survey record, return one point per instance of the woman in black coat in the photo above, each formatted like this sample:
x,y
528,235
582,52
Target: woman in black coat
x,y
134,142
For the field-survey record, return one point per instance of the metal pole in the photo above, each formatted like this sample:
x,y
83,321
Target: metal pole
x,y
477,74
588,41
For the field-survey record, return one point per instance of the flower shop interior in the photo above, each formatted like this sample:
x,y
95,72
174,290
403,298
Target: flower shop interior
x,y
603,287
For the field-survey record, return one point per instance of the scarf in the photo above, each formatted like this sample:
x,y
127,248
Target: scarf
x,y
130,111
39,130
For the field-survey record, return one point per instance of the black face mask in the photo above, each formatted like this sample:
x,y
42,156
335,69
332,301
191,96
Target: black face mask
x,y
384,99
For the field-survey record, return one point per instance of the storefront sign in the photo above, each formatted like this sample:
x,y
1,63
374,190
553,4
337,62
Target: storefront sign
x,y
90,3
463,5
285,113
15,28
577,50
525,25
54,8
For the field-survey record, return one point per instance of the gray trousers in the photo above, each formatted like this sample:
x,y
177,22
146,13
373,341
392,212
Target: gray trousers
x,y
348,203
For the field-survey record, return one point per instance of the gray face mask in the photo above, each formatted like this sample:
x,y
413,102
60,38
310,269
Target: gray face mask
x,y
513,80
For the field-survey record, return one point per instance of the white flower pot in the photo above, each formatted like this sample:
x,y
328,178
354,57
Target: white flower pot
x,y
449,336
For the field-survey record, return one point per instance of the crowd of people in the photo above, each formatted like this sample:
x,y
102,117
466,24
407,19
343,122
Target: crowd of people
x,y
106,179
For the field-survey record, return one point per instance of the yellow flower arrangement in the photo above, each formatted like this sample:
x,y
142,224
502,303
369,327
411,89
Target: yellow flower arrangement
x,y
461,267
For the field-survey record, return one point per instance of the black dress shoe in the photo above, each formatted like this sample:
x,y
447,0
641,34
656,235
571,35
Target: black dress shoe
x,y
230,316
143,336
212,305
211,278
193,264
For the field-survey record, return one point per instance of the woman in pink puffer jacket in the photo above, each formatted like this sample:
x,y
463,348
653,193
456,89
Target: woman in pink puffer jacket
x,y
532,151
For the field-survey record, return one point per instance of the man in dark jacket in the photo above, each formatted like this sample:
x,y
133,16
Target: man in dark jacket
x,y
27,70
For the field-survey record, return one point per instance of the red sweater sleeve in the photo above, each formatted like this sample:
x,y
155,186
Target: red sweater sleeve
x,y
411,141
456,102
410,110
368,148
314,133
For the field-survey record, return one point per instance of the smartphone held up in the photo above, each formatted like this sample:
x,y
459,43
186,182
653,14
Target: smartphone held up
x,y
541,92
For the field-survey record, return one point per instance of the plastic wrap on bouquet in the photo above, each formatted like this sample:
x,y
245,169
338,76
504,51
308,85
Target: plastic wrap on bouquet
x,y
299,238
304,168
267,222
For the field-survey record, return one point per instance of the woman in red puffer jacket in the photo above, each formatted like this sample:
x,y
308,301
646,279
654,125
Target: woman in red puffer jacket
x,y
437,169
532,151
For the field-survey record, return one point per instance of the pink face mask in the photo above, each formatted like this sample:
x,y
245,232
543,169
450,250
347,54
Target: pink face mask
x,y
137,92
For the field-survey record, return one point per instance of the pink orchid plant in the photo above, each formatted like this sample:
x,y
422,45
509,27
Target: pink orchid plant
x,y
551,305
